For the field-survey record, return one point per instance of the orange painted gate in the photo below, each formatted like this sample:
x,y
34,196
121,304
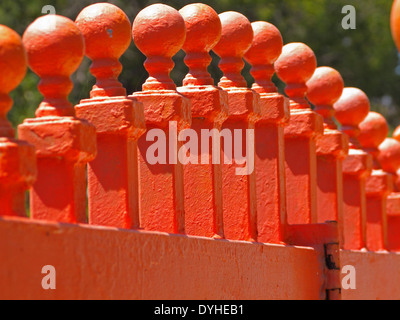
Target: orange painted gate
x,y
198,192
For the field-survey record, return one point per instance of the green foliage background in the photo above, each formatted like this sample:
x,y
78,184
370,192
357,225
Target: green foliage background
x,y
366,57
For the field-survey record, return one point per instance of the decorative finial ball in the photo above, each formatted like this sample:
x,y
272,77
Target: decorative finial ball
x,y
389,155
106,29
55,46
374,130
352,107
237,35
395,22
325,87
203,27
296,64
267,44
159,30
396,134
13,61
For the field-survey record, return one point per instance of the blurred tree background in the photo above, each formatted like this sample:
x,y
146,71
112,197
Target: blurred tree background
x,y
366,57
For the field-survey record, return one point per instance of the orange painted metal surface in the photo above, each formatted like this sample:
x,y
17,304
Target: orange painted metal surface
x,y
239,195
161,190
269,135
286,250
64,144
141,265
377,275
203,178
325,239
396,133
351,109
395,22
389,158
324,89
295,67
393,221
112,176
374,130
17,158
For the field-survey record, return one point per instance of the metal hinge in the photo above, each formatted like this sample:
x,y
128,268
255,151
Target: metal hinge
x,y
332,261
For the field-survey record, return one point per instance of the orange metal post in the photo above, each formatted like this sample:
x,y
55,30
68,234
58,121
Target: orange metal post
x,y
161,179
374,130
351,109
394,222
64,144
396,136
269,134
17,158
112,176
203,174
389,158
324,89
239,202
395,22
295,67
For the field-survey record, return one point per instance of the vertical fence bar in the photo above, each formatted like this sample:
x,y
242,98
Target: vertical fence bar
x,y
269,134
374,130
17,158
389,158
295,67
203,170
396,136
159,32
113,175
351,109
64,144
324,89
238,183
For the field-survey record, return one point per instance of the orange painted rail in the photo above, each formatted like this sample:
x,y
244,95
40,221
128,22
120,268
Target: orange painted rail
x,y
204,191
